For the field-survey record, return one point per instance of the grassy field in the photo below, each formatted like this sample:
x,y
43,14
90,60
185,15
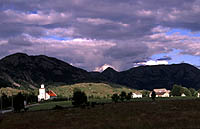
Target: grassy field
x,y
51,104
11,91
96,90
161,114
100,90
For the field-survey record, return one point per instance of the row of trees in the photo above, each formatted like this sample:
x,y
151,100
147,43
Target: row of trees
x,y
80,98
122,96
15,101
177,90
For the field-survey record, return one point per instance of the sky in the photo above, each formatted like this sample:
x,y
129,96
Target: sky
x,y
96,34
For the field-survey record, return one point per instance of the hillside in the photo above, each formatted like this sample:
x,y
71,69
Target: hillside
x,y
28,72
23,70
11,91
149,77
96,90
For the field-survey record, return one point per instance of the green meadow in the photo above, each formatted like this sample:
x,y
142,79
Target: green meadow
x,y
143,114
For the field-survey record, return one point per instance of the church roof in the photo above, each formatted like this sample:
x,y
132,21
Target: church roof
x,y
51,93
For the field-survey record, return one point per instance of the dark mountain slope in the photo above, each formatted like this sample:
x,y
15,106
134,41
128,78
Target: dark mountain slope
x,y
149,77
110,75
34,70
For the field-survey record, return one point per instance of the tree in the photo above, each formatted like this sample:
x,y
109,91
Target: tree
x,y
122,96
193,91
115,98
128,96
153,95
18,102
5,101
186,91
79,98
176,90
145,93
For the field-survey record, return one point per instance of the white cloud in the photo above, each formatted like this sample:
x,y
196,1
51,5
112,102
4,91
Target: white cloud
x,y
39,18
152,62
3,42
104,67
99,21
62,32
144,12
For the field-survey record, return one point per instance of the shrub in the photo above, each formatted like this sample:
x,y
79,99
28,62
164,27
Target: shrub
x,y
193,91
145,93
186,91
122,96
153,95
79,98
115,98
128,96
18,102
176,90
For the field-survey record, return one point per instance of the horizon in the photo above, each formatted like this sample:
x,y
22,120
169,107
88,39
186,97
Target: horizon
x,y
116,34
104,67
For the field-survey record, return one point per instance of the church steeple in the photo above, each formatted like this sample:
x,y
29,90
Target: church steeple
x,y
42,93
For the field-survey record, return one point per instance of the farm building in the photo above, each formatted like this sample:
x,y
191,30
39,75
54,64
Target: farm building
x,y
183,95
161,92
136,95
43,95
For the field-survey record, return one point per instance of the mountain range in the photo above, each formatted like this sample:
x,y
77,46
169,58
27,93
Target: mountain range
x,y
22,70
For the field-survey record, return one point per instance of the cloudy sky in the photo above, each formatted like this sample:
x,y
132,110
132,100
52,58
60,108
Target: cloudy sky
x,y
95,34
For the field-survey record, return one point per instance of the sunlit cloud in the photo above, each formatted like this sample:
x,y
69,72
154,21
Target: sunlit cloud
x,y
152,62
104,67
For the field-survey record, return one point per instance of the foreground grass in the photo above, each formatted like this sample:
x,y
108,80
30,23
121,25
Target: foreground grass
x,y
51,104
162,114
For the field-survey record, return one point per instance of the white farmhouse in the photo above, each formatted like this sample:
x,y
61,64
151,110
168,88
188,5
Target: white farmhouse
x,y
183,95
136,95
161,92
43,95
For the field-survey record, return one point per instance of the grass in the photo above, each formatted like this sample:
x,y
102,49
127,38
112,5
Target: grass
x,y
97,90
161,114
50,105
11,91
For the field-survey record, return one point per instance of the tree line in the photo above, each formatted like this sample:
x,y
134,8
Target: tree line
x,y
178,90
17,101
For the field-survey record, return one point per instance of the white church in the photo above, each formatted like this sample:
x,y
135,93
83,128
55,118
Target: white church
x,y
43,95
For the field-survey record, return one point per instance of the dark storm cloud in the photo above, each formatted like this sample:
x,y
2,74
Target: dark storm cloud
x,y
165,58
19,41
140,15
126,51
131,30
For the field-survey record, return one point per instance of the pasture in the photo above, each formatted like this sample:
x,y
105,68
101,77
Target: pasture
x,y
144,114
92,90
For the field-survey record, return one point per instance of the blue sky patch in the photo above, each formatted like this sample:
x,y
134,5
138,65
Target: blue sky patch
x,y
58,38
32,12
177,57
183,32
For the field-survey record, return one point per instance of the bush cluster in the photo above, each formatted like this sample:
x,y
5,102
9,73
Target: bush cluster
x,y
122,96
